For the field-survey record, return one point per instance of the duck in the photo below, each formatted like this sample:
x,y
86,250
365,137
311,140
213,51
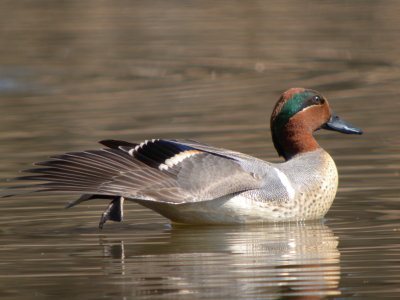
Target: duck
x,y
189,182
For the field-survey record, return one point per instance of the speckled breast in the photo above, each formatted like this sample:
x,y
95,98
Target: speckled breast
x,y
316,198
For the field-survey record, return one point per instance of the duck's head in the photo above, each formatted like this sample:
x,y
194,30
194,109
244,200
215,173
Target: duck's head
x,y
297,114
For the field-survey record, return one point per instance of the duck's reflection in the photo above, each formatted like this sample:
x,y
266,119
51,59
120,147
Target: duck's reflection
x,y
298,260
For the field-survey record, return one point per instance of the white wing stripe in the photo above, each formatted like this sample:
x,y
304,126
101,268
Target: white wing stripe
x,y
177,158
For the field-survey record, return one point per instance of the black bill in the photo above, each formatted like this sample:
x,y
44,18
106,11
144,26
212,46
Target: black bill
x,y
336,124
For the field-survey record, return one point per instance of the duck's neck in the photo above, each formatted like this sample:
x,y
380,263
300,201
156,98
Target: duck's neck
x,y
293,139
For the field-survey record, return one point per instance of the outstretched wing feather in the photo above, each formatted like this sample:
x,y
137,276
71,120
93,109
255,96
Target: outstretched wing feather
x,y
157,170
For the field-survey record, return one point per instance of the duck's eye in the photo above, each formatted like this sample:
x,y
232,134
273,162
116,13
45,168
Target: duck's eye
x,y
318,100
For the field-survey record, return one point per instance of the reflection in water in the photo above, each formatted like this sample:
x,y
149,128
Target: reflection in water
x,y
299,259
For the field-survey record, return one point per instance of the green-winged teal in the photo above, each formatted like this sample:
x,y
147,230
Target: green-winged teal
x,y
190,182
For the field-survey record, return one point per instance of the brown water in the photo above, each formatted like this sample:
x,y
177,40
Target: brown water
x,y
75,72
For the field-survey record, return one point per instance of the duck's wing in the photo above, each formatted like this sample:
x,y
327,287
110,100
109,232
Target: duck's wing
x,y
173,171
241,158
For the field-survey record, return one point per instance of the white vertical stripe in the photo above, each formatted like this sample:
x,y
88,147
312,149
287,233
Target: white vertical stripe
x,y
286,183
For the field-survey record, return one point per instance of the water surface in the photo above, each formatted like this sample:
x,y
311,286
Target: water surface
x,y
73,73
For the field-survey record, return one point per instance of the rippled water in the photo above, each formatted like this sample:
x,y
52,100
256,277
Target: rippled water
x,y
75,72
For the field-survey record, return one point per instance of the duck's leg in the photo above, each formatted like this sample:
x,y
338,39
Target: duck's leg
x,y
114,211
